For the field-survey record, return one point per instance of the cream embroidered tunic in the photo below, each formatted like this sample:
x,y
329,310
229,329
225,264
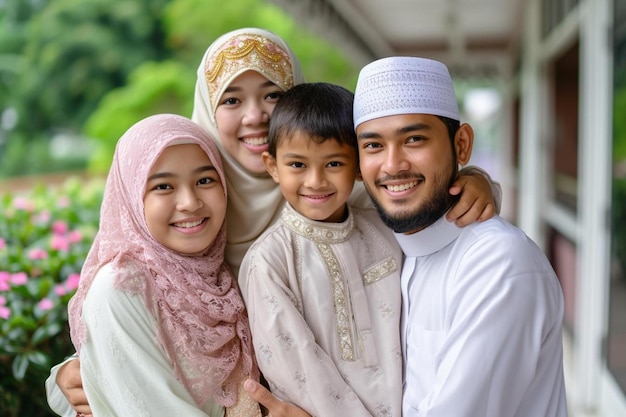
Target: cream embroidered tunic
x,y
324,306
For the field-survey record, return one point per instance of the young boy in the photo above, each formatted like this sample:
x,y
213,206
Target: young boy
x,y
322,285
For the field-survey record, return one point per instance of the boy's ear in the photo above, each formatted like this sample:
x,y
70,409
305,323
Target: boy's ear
x,y
270,165
463,143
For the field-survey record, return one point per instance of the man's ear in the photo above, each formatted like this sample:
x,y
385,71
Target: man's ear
x,y
463,143
270,165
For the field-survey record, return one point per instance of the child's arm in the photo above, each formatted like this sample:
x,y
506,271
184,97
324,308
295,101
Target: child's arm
x,y
480,197
298,370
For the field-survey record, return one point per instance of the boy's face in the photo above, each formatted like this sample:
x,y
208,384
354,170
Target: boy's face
x,y
316,179
184,202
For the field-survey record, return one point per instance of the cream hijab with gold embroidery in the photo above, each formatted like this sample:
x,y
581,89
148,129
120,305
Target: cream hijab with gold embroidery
x,y
254,200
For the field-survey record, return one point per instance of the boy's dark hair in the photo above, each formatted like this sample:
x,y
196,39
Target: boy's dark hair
x,y
321,110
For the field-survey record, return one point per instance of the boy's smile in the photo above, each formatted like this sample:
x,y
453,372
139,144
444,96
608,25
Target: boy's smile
x,y
315,178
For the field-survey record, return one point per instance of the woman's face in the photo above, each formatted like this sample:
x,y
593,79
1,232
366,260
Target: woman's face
x,y
242,117
184,202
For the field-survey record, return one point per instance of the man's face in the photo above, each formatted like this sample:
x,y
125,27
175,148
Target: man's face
x,y
407,165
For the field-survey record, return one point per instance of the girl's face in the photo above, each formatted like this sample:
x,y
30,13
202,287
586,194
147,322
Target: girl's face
x,y
242,117
184,201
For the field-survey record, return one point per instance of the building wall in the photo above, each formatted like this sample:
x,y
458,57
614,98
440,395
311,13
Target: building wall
x,y
565,180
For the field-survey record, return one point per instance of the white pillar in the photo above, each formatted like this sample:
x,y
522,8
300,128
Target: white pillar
x,y
594,180
531,180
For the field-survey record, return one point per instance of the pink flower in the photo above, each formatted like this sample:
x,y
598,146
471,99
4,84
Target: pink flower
x,y
60,242
59,227
60,290
19,279
37,253
4,281
3,243
72,282
21,203
45,304
75,236
5,311
43,217
63,202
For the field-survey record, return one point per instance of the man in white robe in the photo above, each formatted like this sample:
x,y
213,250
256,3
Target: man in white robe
x,y
482,307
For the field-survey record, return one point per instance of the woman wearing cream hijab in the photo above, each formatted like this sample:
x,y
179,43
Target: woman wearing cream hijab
x,y
254,200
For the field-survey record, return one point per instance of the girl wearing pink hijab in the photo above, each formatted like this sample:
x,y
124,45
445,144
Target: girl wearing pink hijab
x,y
157,320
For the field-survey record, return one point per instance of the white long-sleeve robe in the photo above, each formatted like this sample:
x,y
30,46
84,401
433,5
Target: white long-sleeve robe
x,y
482,316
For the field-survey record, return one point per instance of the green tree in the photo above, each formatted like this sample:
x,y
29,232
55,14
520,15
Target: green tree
x,y
165,87
75,52
168,86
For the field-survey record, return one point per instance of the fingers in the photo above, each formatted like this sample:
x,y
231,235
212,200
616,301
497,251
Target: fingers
x,y
71,384
475,201
78,401
276,407
261,395
477,212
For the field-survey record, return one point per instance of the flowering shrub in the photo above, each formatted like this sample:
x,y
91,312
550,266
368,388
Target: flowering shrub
x,y
45,234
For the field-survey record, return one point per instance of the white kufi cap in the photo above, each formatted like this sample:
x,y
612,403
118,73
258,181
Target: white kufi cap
x,y
404,85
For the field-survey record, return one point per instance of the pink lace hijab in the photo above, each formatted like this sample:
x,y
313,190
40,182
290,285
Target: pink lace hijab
x,y
206,338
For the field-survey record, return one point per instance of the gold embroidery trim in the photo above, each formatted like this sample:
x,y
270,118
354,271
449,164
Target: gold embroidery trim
x,y
248,51
318,233
380,270
341,302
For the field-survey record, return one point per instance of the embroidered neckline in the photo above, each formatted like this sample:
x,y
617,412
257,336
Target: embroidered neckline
x,y
318,232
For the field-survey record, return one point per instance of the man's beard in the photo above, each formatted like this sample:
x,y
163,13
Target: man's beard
x,y
423,216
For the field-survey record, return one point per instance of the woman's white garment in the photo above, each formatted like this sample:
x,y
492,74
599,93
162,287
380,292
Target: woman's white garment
x,y
324,306
482,316
124,370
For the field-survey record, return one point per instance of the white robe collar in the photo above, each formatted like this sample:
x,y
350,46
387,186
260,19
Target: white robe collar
x,y
430,240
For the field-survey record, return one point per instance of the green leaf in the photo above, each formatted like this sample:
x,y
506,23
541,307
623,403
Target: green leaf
x,y
45,332
20,365
38,358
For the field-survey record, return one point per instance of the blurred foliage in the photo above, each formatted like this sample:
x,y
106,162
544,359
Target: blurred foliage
x,y
94,67
618,206
74,51
45,235
165,87
619,122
